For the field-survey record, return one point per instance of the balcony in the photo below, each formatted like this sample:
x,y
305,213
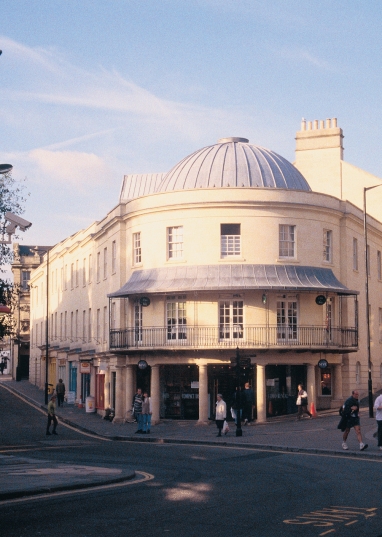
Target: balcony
x,y
279,338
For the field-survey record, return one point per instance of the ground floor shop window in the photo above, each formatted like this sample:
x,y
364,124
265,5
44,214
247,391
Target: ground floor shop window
x,y
85,386
72,378
179,386
281,388
326,382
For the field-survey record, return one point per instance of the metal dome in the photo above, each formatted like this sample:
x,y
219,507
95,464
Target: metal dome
x,y
233,162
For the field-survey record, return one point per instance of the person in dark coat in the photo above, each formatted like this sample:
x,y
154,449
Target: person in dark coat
x,y
249,399
350,419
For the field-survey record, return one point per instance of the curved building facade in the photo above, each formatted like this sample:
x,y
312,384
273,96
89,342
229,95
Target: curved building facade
x,y
230,256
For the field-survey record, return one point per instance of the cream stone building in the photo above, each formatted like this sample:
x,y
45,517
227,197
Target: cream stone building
x,y
234,252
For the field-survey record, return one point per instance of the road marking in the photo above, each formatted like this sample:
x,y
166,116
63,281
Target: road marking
x,y
49,495
45,412
335,515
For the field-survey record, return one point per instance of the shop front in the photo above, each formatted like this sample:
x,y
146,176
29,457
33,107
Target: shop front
x,y
179,388
281,388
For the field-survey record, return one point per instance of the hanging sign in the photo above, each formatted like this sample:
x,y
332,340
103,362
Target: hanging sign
x,y
85,367
142,364
144,301
320,300
322,364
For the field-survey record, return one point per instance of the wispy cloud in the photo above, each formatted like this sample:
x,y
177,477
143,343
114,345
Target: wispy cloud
x,y
304,56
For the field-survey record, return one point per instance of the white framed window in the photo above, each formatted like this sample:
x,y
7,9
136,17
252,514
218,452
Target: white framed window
x,y
379,265
25,277
231,319
357,373
113,315
84,325
76,326
113,257
137,322
287,320
90,332
104,263
71,325
175,242
98,267
66,325
76,274
176,319
328,245
98,332
90,272
55,325
84,272
355,254
137,248
105,324
287,238
66,277
230,240
72,276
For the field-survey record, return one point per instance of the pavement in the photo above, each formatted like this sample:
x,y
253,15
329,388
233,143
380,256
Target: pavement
x,y
21,476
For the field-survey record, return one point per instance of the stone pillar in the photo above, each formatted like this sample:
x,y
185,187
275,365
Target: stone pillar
x,y
261,394
107,388
311,385
203,395
120,407
337,384
155,394
129,386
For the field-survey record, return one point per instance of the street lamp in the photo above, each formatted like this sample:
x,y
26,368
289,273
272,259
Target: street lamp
x,y
38,250
370,381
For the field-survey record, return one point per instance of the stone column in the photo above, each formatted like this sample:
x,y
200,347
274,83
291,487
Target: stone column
x,y
261,394
129,386
107,388
311,385
119,396
155,394
203,395
337,384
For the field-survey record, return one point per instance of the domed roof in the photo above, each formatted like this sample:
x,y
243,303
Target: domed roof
x,y
233,162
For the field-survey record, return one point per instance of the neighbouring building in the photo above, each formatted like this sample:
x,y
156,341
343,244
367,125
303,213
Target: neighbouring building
x,y
25,259
234,250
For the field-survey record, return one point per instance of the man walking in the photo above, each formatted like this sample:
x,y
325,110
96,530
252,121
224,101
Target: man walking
x,y
60,391
350,415
249,403
52,415
378,415
137,409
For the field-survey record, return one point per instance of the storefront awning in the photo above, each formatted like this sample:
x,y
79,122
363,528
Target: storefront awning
x,y
181,279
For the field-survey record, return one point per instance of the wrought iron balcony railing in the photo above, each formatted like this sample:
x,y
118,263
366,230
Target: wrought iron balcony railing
x,y
260,337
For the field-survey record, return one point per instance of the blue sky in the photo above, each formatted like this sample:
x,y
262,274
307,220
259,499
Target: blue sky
x,y
92,90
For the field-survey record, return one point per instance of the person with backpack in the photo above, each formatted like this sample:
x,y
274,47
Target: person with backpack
x,y
302,403
350,419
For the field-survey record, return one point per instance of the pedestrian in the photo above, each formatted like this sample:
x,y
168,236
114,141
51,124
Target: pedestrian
x,y
351,419
378,415
249,403
146,413
238,402
60,391
52,415
221,413
137,409
302,402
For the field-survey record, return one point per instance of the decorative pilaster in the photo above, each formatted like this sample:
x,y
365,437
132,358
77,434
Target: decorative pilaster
x,y
261,395
155,394
203,395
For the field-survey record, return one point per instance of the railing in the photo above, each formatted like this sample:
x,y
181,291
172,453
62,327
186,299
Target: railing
x,y
316,337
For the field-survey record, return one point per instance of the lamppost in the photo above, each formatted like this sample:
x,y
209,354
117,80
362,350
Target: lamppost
x,y
38,250
370,381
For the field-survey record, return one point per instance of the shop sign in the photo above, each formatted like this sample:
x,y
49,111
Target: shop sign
x,y
85,367
144,301
270,382
195,384
320,300
322,364
142,364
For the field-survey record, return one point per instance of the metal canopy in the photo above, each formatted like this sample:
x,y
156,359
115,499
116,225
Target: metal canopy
x,y
231,278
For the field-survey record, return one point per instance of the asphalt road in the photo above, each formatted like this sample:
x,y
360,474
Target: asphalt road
x,y
189,491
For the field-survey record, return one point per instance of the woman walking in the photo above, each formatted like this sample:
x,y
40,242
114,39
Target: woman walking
x,y
302,403
221,413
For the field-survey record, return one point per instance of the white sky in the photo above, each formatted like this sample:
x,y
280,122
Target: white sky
x,y
92,90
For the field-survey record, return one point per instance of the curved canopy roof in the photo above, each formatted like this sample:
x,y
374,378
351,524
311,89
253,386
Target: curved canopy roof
x,y
232,277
